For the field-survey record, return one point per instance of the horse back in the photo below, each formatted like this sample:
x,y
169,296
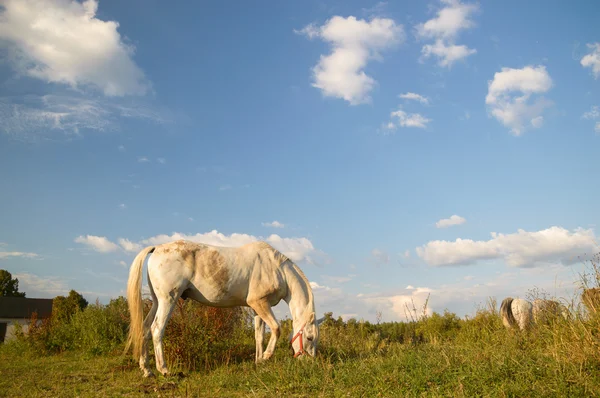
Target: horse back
x,y
223,275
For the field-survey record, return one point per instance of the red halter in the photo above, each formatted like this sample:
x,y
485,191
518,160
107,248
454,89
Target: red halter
x,y
299,334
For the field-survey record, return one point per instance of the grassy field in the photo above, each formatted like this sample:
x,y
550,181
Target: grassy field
x,y
440,355
78,352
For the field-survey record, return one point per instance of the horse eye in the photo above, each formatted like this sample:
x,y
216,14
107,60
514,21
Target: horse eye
x,y
309,338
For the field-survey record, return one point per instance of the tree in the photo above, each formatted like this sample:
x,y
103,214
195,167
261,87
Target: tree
x,y
63,307
9,287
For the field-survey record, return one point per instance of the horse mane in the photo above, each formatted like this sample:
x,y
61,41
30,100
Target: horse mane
x,y
281,259
310,304
506,311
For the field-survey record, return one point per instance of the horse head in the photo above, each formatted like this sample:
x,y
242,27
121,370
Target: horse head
x,y
306,339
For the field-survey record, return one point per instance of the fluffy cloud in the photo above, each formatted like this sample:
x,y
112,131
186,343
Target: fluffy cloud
x,y
415,97
274,224
449,20
509,93
401,118
462,297
50,40
98,243
297,249
129,246
4,255
452,18
35,286
393,306
354,42
447,53
448,222
592,60
520,249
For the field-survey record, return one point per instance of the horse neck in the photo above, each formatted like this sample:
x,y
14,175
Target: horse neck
x,y
300,297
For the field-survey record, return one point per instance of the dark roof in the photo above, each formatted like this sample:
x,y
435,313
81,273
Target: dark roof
x,y
19,307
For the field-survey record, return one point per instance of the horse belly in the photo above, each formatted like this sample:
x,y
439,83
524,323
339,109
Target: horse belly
x,y
210,296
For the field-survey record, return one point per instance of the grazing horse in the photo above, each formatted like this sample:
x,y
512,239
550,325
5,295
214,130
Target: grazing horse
x,y
545,310
253,275
516,313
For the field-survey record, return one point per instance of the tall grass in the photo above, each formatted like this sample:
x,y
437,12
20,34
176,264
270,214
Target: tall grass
x,y
439,353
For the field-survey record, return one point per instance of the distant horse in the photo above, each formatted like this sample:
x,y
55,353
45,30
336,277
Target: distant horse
x,y
516,313
254,275
545,310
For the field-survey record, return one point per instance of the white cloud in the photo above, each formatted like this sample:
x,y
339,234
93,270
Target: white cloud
x,y
129,246
509,93
415,97
520,249
448,222
143,159
98,243
592,60
50,40
274,224
447,53
34,117
161,160
35,286
406,307
122,206
461,297
297,249
444,28
449,21
406,254
121,148
225,187
4,255
403,119
354,43
123,263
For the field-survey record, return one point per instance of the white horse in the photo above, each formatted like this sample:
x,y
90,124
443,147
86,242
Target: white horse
x,y
516,313
254,275
544,310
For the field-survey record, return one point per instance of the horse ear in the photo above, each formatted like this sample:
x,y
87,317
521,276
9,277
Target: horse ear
x,y
311,317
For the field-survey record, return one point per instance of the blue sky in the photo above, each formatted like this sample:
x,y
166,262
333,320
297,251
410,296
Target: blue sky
x,y
395,150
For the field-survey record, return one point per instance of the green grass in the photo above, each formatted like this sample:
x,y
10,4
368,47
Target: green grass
x,y
550,361
210,353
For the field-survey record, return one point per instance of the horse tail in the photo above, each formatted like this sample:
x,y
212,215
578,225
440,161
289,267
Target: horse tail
x,y
134,300
506,311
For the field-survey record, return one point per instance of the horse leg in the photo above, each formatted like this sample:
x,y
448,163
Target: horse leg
x,y
259,335
165,308
264,310
144,363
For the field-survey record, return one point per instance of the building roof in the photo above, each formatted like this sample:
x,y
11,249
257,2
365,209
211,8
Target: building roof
x,y
23,308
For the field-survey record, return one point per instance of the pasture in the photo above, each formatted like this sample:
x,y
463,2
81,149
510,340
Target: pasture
x,y
211,353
